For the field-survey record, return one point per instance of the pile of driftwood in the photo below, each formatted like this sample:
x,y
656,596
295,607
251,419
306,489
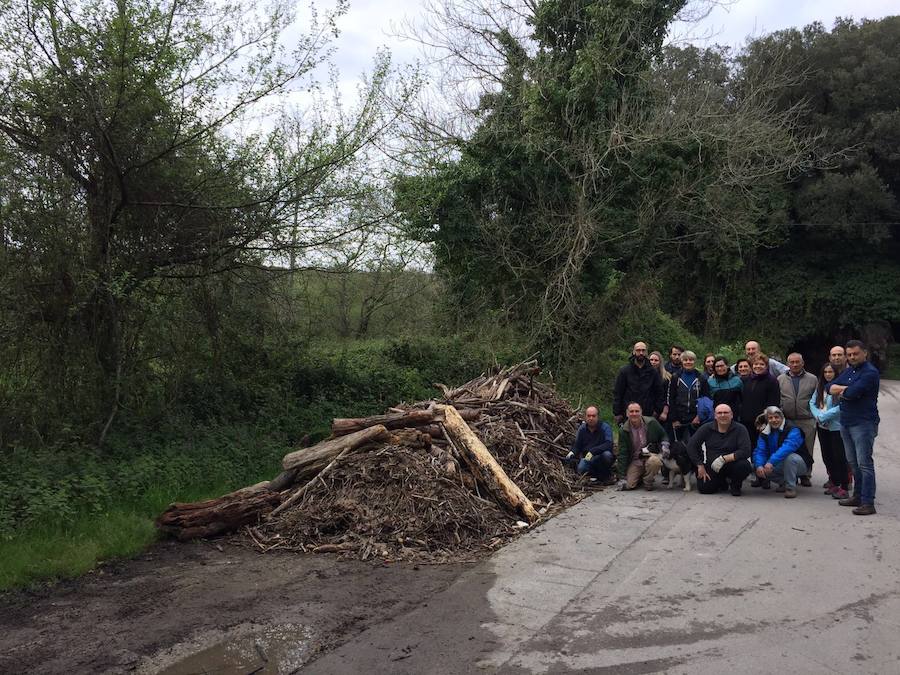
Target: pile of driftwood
x,y
437,480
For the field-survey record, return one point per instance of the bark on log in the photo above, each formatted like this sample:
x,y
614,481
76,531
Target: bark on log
x,y
282,481
405,420
309,461
411,438
413,418
487,470
213,517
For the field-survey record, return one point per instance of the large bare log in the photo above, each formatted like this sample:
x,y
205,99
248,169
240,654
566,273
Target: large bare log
x,y
483,465
213,517
309,461
404,420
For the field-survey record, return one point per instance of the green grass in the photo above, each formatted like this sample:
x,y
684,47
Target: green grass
x,y
47,553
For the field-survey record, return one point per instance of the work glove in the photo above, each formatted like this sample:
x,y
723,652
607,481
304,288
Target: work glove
x,y
588,457
570,455
718,463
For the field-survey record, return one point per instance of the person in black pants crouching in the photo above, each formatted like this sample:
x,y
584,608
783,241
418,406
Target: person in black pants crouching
x,y
725,462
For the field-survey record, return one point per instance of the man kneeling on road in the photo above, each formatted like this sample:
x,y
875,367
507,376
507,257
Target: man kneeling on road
x,y
780,453
727,451
592,451
641,441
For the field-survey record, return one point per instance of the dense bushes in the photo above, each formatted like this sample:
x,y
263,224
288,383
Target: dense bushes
x,y
229,433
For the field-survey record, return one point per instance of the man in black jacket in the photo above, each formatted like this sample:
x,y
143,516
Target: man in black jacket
x,y
726,446
638,381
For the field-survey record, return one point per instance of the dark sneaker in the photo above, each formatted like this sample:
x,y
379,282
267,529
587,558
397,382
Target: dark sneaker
x,y
839,493
780,488
828,484
850,501
757,483
735,490
864,510
805,481
790,493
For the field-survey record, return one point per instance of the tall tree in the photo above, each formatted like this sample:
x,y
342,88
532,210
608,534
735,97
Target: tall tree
x,y
123,124
585,167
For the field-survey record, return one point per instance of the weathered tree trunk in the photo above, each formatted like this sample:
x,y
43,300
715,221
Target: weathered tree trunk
x,y
404,420
213,517
309,461
485,468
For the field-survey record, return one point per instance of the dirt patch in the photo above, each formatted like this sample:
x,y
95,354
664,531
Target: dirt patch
x,y
151,613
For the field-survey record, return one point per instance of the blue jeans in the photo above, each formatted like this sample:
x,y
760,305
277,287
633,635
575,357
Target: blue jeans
x,y
787,472
599,466
859,443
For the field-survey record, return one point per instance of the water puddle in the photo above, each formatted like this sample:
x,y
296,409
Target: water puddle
x,y
278,650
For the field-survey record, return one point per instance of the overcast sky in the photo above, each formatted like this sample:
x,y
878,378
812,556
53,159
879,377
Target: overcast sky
x,y
368,25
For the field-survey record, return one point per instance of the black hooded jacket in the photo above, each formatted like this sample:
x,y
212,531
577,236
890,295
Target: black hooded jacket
x,y
642,385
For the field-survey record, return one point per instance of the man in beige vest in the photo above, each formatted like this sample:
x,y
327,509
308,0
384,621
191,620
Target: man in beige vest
x,y
797,388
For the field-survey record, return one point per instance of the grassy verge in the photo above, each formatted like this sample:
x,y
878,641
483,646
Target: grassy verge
x,y
47,552
65,508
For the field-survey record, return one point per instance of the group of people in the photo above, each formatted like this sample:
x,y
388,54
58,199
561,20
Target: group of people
x,y
757,416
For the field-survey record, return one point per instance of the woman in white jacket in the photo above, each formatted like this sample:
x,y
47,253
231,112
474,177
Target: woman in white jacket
x,y
828,426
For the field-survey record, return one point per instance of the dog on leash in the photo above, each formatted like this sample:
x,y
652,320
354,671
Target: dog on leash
x,y
679,463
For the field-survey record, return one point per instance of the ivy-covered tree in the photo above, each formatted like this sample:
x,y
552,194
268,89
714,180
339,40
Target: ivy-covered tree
x,y
588,165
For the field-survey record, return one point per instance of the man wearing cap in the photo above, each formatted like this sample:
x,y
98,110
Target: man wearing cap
x,y
780,453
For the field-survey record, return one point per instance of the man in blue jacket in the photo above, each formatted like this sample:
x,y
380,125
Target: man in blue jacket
x,y
857,386
780,453
592,451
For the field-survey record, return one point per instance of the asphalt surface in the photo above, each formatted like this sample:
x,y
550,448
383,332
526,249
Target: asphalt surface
x,y
663,581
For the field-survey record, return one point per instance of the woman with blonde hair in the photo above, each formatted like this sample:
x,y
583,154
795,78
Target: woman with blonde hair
x,y
656,360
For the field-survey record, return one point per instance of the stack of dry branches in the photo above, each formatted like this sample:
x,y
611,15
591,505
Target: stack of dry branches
x,y
436,480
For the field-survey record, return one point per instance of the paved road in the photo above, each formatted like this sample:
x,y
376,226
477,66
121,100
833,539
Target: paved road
x,y
663,581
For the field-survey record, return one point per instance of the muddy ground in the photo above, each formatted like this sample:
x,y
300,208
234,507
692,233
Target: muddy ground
x,y
207,607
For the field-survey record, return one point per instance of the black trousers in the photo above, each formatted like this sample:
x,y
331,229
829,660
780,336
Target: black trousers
x,y
834,457
731,475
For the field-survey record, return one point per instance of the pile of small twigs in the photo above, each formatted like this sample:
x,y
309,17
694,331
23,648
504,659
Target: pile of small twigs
x,y
402,503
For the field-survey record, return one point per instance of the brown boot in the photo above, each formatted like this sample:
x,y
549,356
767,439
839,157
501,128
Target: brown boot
x,y
864,510
850,501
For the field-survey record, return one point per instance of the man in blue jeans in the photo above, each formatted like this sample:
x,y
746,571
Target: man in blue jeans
x,y
857,387
592,451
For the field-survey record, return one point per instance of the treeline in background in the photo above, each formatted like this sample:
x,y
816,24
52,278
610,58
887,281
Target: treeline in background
x,y
205,254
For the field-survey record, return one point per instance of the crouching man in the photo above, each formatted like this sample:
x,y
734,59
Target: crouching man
x,y
721,452
641,441
592,451
780,453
